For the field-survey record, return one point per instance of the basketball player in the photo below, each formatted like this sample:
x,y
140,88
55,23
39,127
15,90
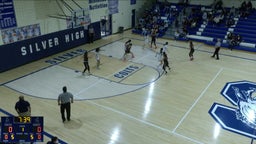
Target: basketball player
x,y
97,56
128,46
162,50
165,62
160,57
86,62
191,52
153,37
146,40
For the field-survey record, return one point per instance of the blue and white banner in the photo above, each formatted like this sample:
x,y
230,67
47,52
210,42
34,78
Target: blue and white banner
x,y
20,33
113,6
7,14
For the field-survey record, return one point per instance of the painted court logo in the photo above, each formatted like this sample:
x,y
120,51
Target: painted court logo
x,y
241,118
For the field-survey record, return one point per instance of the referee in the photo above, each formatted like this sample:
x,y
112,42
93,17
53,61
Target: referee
x,y
64,101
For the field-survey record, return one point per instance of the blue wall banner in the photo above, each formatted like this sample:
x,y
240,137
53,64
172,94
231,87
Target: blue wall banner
x,y
113,6
7,14
133,2
23,52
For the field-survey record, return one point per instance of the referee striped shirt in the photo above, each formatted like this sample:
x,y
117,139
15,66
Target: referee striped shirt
x,y
65,98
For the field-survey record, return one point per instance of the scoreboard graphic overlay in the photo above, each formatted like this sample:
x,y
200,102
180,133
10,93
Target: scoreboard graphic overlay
x,y
22,129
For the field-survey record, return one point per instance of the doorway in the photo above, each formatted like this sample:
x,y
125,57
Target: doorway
x,y
106,25
133,18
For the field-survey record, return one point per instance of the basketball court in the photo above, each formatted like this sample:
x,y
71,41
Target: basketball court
x,y
131,102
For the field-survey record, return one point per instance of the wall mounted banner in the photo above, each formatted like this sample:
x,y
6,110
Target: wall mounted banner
x,y
113,6
20,33
22,52
133,2
7,14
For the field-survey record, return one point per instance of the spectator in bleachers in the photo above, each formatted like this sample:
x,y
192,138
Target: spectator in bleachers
x,y
218,19
237,39
184,32
230,37
232,12
177,34
249,5
245,9
204,17
230,21
217,5
233,40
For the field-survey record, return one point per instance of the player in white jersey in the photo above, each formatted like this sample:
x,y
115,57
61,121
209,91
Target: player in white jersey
x,y
97,57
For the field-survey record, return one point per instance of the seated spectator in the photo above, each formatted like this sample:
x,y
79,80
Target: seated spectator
x,y
235,41
230,37
184,32
249,5
238,39
204,17
230,22
177,34
244,10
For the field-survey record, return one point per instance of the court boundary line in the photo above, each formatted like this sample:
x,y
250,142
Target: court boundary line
x,y
44,132
200,96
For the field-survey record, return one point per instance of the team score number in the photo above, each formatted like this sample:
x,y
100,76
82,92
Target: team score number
x,y
38,137
6,137
22,119
37,129
8,129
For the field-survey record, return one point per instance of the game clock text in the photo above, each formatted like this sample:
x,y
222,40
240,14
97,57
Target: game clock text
x,y
22,129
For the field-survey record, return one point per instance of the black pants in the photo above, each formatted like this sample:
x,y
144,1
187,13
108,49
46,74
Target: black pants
x,y
191,53
86,66
216,52
91,37
65,107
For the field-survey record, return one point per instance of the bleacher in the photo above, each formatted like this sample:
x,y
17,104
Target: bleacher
x,y
208,33
162,18
245,27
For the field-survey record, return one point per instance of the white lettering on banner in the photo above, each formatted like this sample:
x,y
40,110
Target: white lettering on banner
x,y
36,47
72,36
50,43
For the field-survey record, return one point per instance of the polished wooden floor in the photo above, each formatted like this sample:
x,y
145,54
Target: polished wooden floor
x,y
169,109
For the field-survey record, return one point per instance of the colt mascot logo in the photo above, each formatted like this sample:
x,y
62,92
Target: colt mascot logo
x,y
242,118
